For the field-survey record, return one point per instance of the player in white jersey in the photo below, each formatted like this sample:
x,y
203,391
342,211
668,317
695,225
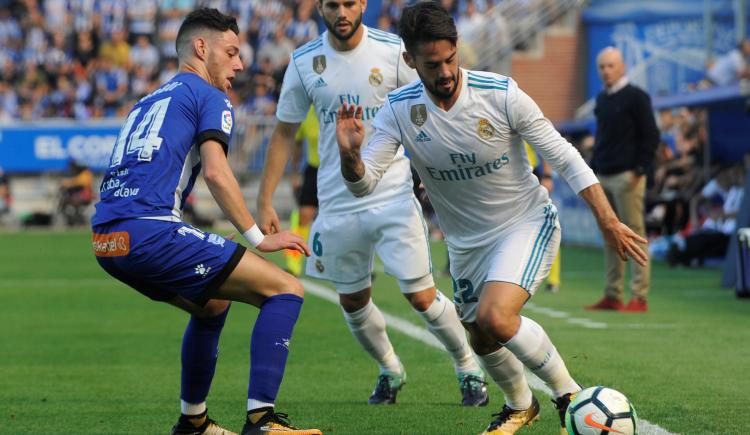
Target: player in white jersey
x,y
463,131
351,63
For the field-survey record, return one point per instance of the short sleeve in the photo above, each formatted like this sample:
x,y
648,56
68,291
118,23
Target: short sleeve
x,y
294,101
216,119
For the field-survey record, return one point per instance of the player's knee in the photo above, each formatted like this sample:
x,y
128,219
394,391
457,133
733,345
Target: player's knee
x,y
214,308
354,301
291,285
421,300
497,323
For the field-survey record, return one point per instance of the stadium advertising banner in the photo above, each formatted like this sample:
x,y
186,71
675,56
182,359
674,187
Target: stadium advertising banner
x,y
49,146
663,43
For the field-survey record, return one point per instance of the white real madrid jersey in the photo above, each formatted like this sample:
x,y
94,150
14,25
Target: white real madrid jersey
x,y
320,75
471,158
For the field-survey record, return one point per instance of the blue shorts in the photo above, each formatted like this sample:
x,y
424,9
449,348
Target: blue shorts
x,y
163,259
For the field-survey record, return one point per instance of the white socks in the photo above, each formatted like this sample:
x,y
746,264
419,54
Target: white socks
x,y
533,347
507,372
257,404
192,408
442,322
368,327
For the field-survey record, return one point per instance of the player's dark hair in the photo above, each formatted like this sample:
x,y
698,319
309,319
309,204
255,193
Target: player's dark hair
x,y
426,22
203,19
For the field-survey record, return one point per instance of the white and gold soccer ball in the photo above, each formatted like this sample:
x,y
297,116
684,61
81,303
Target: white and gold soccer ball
x,y
601,410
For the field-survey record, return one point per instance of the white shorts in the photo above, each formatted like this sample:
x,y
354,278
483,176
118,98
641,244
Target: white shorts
x,y
343,246
522,255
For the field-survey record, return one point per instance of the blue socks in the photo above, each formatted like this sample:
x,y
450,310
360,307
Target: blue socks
x,y
269,348
200,350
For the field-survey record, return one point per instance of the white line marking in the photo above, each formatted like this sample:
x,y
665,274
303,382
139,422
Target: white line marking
x,y
421,334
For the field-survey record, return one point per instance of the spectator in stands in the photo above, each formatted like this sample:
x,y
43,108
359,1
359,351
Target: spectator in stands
x,y
116,50
278,49
626,139
5,199
142,17
76,193
8,102
732,67
111,87
717,206
144,56
303,28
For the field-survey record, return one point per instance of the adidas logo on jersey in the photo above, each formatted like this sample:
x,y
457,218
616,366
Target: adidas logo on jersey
x,y
422,137
320,83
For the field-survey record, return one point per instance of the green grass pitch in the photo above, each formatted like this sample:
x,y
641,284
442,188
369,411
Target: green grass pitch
x,y
83,354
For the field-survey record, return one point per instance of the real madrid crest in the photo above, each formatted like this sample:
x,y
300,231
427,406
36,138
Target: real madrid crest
x,y
485,129
418,114
319,64
376,78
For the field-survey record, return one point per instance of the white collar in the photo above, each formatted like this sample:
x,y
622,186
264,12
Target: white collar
x,y
617,87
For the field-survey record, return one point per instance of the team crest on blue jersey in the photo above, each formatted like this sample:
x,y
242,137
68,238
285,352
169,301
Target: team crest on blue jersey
x,y
376,77
319,266
419,114
485,129
226,121
319,64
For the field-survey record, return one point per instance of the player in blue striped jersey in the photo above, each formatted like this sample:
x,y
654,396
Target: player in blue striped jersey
x,y
464,133
140,238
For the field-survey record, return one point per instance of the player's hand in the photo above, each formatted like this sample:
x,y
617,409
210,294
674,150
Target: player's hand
x,y
268,220
627,243
283,240
350,133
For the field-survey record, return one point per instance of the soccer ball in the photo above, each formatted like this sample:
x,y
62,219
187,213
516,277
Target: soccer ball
x,y
601,411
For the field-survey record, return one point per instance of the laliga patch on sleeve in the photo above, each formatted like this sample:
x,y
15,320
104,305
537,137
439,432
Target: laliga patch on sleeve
x,y
226,121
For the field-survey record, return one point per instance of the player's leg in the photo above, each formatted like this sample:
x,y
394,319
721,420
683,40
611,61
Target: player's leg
x,y
521,262
521,408
403,245
343,253
176,263
278,294
200,351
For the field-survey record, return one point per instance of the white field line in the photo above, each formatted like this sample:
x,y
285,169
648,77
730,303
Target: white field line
x,y
421,334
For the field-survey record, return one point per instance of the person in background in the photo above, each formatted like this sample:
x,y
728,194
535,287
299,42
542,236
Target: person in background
x,y
626,140
305,188
5,198
732,67
76,193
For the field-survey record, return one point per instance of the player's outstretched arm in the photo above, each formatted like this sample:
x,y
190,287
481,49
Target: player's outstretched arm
x,y
350,133
616,234
279,151
226,190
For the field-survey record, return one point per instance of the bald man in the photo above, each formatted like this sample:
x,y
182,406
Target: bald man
x,y
626,140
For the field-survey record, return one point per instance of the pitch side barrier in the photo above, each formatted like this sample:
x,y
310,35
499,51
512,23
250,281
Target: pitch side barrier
x,y
48,145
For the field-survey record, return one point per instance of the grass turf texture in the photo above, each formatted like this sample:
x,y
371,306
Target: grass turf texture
x,y
81,353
